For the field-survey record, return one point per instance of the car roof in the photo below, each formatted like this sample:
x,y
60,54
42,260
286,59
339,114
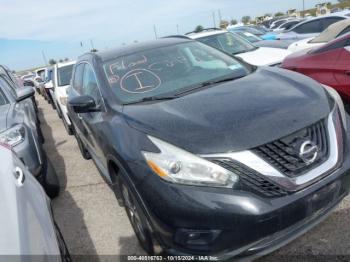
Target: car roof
x,y
206,33
317,18
332,31
134,48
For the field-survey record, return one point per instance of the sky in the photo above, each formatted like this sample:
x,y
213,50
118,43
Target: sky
x,y
34,29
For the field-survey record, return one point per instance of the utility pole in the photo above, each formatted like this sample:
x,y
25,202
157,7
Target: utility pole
x,y
219,14
177,29
92,44
155,31
214,19
303,8
44,57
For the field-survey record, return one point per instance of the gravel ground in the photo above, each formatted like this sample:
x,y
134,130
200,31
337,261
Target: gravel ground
x,y
92,223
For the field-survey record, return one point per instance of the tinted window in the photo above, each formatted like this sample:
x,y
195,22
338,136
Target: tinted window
x,y
169,70
64,75
90,86
278,23
309,27
336,45
346,30
289,25
3,100
4,84
331,20
228,42
78,78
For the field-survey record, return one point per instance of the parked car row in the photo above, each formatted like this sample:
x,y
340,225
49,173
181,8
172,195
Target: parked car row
x,y
200,133
27,225
195,141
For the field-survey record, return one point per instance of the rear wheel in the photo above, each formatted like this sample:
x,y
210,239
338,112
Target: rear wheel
x,y
136,217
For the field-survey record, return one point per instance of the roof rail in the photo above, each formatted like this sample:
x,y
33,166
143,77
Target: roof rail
x,y
205,29
176,36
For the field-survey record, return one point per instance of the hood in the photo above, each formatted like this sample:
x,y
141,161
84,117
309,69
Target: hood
x,y
273,43
259,108
303,44
3,116
264,56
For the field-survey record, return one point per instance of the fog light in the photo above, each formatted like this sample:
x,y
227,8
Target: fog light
x,y
197,239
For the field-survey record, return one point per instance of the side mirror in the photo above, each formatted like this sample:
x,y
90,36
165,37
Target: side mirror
x,y
24,93
83,104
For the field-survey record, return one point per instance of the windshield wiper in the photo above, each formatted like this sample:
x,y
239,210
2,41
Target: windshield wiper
x,y
152,98
208,83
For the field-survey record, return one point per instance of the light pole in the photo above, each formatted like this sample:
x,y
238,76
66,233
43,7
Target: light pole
x,y
155,31
303,8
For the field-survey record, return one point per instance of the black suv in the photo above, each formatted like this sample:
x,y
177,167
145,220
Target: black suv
x,y
210,156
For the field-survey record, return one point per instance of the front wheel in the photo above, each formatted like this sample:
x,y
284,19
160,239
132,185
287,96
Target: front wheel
x,y
137,220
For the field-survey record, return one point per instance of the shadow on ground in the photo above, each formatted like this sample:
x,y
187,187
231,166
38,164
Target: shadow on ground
x,y
68,215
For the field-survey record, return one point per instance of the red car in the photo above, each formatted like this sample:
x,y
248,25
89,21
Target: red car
x,y
328,64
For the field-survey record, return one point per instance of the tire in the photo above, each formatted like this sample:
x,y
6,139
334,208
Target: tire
x,y
85,154
136,217
50,180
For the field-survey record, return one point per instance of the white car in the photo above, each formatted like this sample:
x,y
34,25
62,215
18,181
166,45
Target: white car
x,y
332,32
236,45
28,231
62,75
310,28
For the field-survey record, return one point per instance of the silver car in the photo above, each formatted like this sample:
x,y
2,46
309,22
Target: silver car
x,y
20,129
27,227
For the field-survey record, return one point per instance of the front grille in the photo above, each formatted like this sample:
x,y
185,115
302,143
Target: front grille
x,y
250,180
284,154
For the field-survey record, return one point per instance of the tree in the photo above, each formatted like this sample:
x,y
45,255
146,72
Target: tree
x,y
52,61
224,24
279,14
198,29
233,22
66,59
246,19
60,61
94,50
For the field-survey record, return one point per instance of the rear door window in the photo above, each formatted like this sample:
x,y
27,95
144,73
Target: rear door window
x,y
309,27
329,21
5,85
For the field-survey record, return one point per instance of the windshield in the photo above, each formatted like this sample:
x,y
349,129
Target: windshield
x,y
248,36
228,42
168,70
64,75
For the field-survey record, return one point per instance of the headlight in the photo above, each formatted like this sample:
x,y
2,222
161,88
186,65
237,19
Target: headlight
x,y
63,100
339,102
179,166
12,136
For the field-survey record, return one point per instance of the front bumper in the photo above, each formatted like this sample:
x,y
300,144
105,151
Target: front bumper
x,y
241,223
